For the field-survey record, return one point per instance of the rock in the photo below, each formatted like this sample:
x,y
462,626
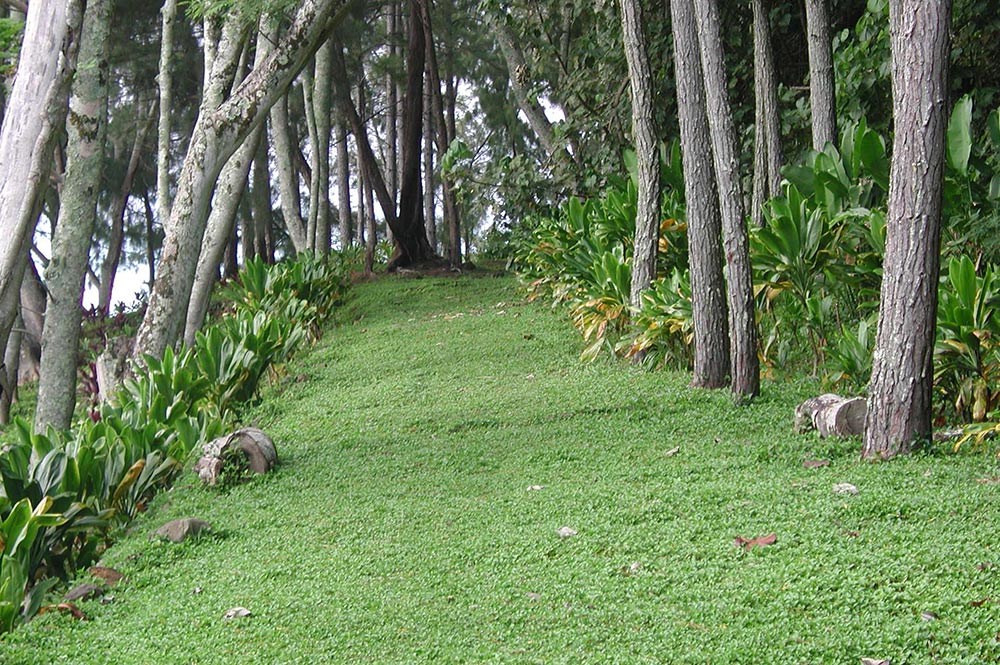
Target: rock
x,y
180,530
845,488
248,448
83,592
237,613
566,532
832,415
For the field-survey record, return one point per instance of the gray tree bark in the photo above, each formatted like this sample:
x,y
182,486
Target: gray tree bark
x,y
35,113
647,222
321,101
165,82
767,121
899,394
430,214
263,214
288,179
744,364
343,175
704,222
71,239
822,100
217,134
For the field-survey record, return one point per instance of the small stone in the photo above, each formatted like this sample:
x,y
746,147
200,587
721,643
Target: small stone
x,y
928,616
107,600
83,592
180,530
845,488
566,532
535,488
238,613
534,596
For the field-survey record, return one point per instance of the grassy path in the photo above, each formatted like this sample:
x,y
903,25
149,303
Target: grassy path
x,y
400,527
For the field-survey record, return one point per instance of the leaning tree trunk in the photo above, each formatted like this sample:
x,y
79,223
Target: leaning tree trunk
x,y
745,366
71,238
32,321
822,100
899,394
767,121
217,134
704,223
647,222
31,126
109,266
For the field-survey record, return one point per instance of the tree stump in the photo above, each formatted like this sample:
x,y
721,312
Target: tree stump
x,y
245,450
832,415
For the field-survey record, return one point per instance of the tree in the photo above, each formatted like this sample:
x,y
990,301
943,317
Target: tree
x,y
219,131
704,223
35,112
72,236
822,100
647,223
899,394
166,106
767,119
744,364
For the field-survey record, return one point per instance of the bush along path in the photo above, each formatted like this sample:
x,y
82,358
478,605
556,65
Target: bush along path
x,y
64,492
456,487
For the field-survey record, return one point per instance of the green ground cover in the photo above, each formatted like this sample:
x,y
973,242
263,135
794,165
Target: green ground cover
x,y
400,526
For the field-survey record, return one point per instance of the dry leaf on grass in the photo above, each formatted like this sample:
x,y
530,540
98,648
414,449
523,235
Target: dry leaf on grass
x,y
815,463
750,543
237,612
672,451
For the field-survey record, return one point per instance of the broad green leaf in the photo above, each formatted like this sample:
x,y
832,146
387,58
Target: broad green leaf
x,y
960,135
993,123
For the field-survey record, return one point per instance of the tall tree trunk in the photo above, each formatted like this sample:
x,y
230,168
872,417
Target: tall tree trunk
x,y
767,121
150,249
392,101
430,214
73,233
368,219
109,267
822,100
704,222
321,113
32,321
35,113
744,364
343,176
263,215
165,82
647,223
899,394
288,182
309,107
217,134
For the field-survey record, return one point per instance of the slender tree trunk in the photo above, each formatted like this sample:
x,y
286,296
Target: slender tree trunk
x,y
822,99
35,113
411,239
899,394
31,321
368,219
150,249
321,100
218,133
263,215
73,233
392,101
767,121
343,176
309,106
109,267
288,183
165,83
744,364
429,188
647,224
704,222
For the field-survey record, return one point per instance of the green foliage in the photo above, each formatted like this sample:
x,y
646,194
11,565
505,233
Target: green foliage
x,y
849,360
664,324
11,32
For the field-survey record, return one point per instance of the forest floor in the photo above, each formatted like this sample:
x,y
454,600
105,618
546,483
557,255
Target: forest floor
x,y
437,440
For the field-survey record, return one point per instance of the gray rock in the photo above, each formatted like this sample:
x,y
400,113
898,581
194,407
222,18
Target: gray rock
x,y
83,592
180,530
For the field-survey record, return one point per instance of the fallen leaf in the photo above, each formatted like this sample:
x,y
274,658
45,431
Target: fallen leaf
x,y
985,565
988,481
197,590
928,616
109,575
237,612
980,603
815,463
533,596
566,532
845,488
852,534
876,661
107,600
84,592
528,336
672,451
535,488
64,607
760,541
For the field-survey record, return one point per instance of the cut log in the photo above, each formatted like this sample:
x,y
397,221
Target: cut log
x,y
247,449
832,415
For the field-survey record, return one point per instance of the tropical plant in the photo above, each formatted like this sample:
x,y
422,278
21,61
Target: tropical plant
x,y
664,325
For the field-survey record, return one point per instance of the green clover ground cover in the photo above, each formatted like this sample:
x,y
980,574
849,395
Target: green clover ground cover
x,y
400,527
